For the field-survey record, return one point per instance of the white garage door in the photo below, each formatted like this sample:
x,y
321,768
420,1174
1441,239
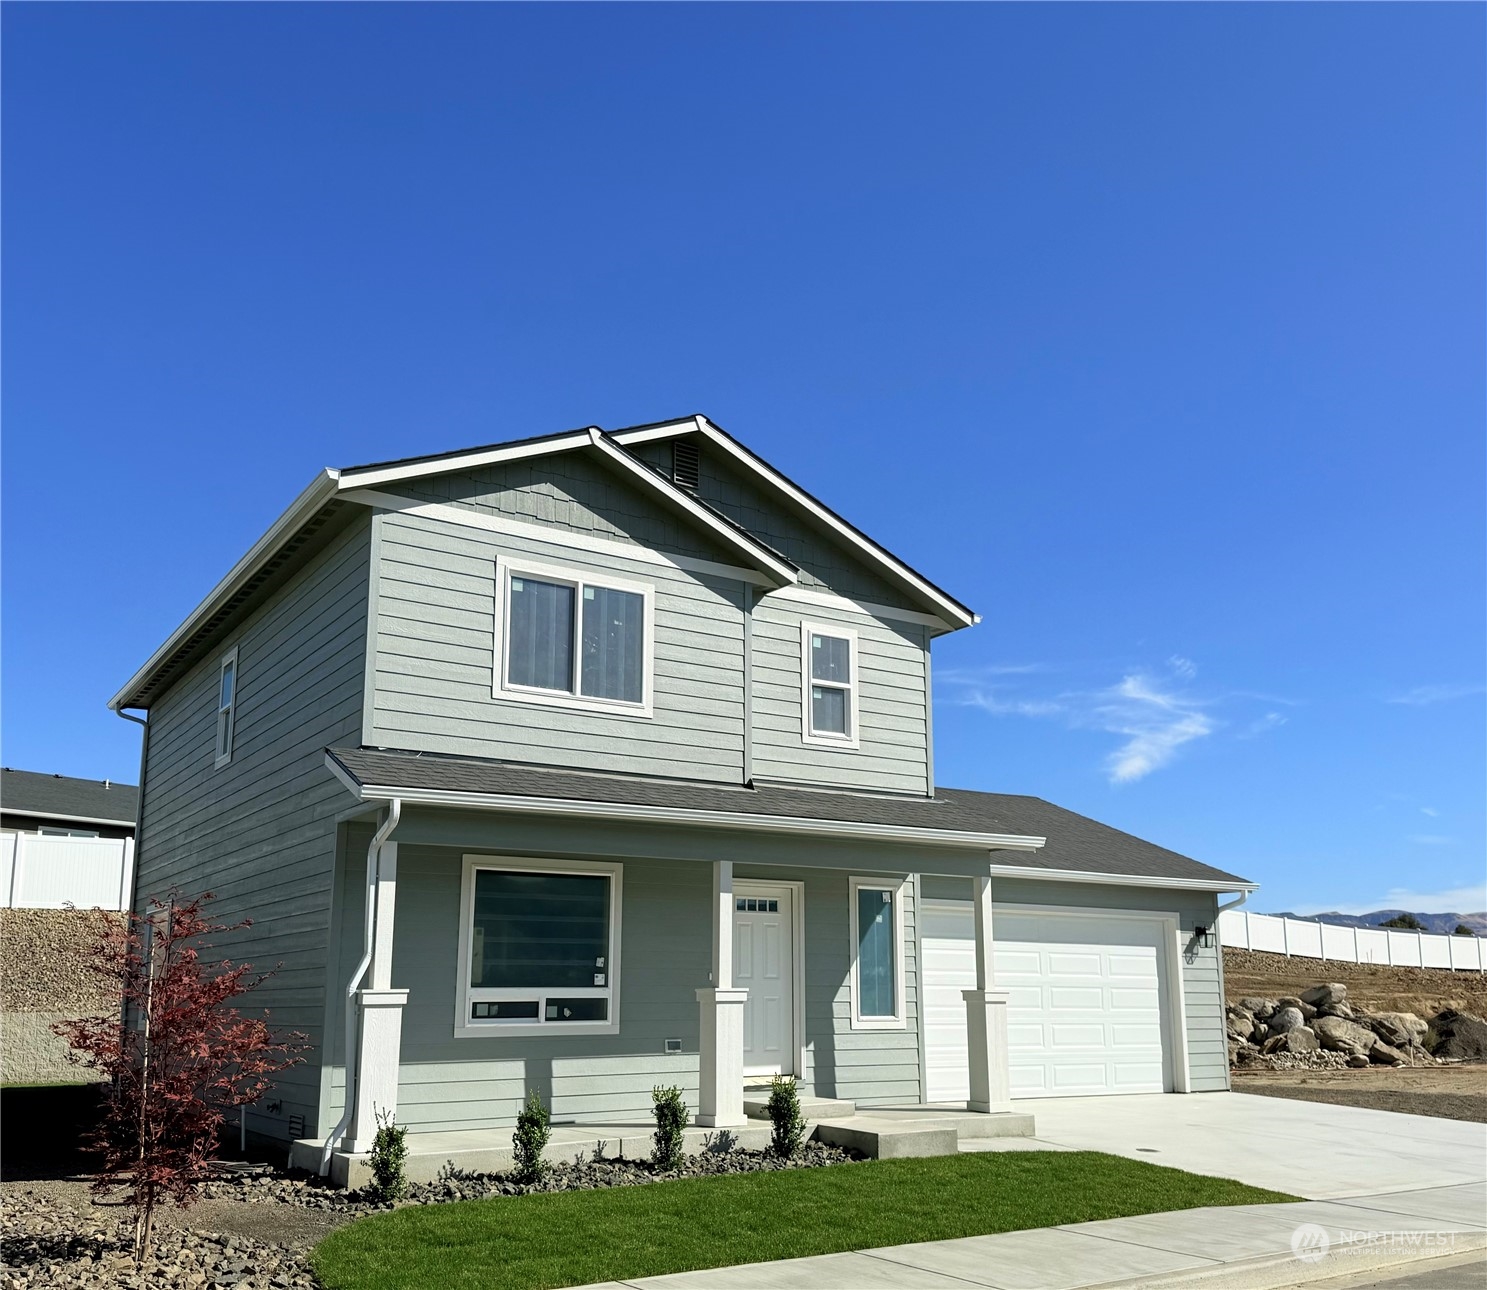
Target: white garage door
x,y
1084,1011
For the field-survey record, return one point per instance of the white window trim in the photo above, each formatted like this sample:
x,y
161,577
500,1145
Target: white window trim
x,y
854,690
507,569
899,1019
219,758
465,1027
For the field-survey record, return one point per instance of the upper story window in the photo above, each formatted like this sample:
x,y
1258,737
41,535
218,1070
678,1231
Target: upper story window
x,y
227,683
575,640
50,831
828,660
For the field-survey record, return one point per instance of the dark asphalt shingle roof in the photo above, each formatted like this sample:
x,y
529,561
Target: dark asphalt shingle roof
x,y
29,792
1074,842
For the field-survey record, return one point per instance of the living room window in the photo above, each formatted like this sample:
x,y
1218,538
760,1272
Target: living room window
x,y
575,640
828,666
539,948
877,918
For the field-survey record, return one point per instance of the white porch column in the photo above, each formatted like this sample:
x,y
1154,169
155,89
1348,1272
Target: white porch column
x,y
381,1007
720,1082
986,1017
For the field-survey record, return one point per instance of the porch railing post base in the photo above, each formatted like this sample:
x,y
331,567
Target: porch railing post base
x,y
986,1033
377,1067
720,1073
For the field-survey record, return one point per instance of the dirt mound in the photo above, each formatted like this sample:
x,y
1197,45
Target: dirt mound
x,y
1423,991
1459,1035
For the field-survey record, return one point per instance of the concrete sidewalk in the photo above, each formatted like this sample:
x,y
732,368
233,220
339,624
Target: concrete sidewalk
x,y
1248,1246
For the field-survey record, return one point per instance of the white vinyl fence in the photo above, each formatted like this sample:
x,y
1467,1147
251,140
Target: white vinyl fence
x,y
38,871
1242,930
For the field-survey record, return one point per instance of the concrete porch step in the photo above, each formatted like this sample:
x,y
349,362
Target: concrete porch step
x,y
813,1108
890,1133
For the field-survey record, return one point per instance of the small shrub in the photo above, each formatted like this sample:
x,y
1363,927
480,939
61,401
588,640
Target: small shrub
x,y
389,1152
1406,921
530,1139
1463,930
671,1123
785,1116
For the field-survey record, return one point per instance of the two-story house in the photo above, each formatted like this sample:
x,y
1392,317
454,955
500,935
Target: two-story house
x,y
598,761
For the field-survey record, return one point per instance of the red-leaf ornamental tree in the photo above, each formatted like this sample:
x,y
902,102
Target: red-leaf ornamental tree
x,y
178,1056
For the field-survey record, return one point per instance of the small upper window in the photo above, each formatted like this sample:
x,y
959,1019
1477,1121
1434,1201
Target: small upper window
x,y
829,684
48,831
227,680
573,640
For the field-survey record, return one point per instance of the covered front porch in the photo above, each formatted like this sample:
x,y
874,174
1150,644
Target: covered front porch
x,y
772,955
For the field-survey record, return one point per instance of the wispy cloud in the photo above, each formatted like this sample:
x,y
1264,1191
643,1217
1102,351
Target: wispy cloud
x,y
1470,899
1430,839
1430,811
1262,725
1424,695
1154,717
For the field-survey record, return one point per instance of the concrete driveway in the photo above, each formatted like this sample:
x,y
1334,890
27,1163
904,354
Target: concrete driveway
x,y
1310,1149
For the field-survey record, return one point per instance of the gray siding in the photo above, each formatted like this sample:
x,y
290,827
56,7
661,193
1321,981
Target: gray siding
x,y
259,831
435,660
448,1082
893,659
1203,1007
570,491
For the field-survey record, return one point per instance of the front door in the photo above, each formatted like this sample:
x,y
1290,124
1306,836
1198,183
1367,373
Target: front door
x,y
763,964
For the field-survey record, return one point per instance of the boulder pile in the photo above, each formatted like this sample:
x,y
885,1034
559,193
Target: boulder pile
x,y
1323,1029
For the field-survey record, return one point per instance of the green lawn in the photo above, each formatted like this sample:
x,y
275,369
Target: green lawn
x,y
572,1238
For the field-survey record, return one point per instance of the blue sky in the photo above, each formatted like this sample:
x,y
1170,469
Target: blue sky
x,y
1155,333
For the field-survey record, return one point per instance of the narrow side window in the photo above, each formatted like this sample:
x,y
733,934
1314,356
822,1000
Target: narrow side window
x,y
227,680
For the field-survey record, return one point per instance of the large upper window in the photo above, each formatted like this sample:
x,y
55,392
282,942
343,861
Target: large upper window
x,y
227,685
574,639
828,661
539,948
877,954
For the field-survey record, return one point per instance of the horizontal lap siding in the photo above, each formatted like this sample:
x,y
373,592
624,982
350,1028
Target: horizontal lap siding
x,y
437,651
893,715
259,832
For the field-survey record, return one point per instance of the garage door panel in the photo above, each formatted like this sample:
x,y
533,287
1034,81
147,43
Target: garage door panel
x,y
1084,1009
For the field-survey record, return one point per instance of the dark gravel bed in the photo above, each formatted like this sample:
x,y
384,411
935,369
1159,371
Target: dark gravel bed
x,y
298,1188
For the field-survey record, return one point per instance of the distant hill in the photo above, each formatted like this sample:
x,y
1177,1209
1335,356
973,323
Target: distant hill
x,y
1444,924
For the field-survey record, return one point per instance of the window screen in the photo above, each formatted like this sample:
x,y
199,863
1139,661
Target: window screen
x,y
875,953
613,644
831,659
540,628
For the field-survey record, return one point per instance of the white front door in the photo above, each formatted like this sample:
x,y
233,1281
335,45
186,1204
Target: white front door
x,y
1085,1013
763,964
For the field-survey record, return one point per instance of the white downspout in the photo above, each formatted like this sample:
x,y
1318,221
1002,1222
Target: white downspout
x,y
374,851
1233,904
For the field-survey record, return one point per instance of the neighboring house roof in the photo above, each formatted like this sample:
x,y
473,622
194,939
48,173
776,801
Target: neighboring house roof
x,y
330,492
1028,836
60,797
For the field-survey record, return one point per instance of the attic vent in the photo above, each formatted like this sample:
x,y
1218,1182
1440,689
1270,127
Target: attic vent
x,y
685,461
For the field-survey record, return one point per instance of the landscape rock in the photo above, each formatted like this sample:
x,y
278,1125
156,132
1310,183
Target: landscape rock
x,y
1259,1009
1357,1061
1319,996
1342,1010
1285,1019
1402,1029
1297,1040
1459,1036
1382,1054
1240,1024
1344,1036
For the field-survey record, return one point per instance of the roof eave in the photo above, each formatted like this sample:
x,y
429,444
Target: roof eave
x,y
319,491
954,614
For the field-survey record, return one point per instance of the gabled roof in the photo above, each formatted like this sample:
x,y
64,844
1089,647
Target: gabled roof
x,y
878,558
61,797
1025,836
332,490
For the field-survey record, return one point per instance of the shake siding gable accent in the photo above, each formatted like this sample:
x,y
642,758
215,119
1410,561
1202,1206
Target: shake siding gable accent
x,y
436,652
259,831
892,690
570,491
